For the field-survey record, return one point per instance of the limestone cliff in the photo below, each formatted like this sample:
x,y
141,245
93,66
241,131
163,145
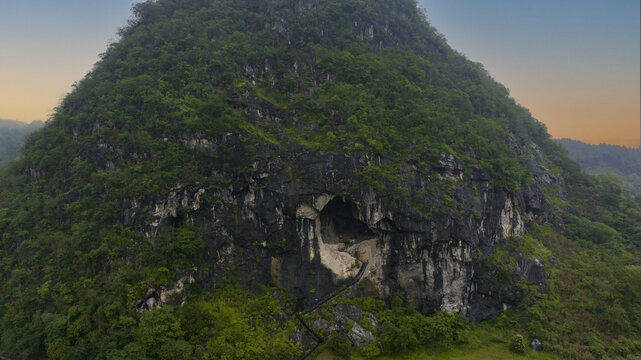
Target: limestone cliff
x,y
290,221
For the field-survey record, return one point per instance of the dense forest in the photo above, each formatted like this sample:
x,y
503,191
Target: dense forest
x,y
622,162
160,213
12,134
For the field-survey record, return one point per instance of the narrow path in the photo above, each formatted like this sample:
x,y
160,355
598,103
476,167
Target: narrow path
x,y
319,339
331,296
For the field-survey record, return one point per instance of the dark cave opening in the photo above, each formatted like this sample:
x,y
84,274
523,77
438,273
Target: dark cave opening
x,y
340,223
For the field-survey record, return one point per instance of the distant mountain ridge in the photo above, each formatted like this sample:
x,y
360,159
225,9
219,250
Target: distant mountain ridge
x,y
621,161
15,124
12,133
4,123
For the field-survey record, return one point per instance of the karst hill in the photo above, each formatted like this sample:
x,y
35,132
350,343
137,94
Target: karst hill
x,y
228,164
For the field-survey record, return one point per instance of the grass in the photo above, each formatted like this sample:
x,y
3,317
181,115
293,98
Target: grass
x,y
485,343
487,351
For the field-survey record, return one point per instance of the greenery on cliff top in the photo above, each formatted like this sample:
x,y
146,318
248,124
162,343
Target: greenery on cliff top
x,y
72,271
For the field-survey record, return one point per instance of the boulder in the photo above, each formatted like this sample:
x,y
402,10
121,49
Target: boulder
x,y
360,336
536,345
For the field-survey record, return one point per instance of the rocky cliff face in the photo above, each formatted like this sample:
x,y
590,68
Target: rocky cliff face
x,y
300,219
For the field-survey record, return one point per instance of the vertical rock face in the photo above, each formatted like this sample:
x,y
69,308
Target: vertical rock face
x,y
307,225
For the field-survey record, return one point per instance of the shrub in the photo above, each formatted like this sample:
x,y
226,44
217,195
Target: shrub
x,y
340,345
396,338
442,327
516,344
370,350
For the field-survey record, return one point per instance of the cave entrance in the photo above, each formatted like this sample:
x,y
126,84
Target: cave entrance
x,y
346,242
340,224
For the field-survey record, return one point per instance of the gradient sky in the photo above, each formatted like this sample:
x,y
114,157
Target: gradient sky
x,y
47,45
573,63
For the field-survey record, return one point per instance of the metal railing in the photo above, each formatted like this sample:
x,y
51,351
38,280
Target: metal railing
x,y
299,315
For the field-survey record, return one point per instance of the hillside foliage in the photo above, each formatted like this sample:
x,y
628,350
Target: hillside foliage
x,y
73,272
621,162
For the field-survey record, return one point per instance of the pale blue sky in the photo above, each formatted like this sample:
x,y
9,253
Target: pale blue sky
x,y
573,63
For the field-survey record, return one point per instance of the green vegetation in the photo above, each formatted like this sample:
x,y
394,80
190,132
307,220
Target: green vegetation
x,y
339,345
516,344
401,329
278,74
490,351
482,342
622,162
229,323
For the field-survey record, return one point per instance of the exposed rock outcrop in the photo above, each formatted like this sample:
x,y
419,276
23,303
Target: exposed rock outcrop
x,y
289,221
157,298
